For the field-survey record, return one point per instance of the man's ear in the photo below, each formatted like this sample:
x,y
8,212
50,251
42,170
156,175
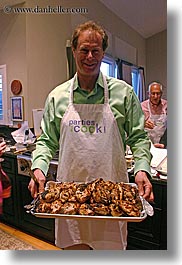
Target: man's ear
x,y
103,55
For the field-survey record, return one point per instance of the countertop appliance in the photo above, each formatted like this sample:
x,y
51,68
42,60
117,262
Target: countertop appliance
x,y
24,166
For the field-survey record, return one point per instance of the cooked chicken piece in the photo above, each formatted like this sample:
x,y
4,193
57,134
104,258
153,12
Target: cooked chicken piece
x,y
67,192
129,192
92,185
56,207
72,198
43,207
129,209
70,208
121,191
109,185
51,185
101,195
86,209
67,185
117,193
64,195
100,209
101,192
50,195
138,204
83,193
59,185
115,210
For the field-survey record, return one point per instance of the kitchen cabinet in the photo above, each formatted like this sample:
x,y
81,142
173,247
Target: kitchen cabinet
x,y
152,232
13,207
10,214
41,227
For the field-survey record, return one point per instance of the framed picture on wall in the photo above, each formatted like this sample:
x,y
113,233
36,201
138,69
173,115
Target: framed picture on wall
x,y
17,110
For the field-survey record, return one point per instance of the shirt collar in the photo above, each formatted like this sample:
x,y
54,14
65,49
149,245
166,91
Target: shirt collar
x,y
156,106
99,82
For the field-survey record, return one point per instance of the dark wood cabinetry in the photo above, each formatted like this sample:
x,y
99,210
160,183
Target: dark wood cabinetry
x,y
13,207
10,214
152,232
41,227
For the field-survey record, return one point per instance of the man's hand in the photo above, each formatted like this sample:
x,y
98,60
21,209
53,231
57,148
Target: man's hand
x,y
158,145
144,186
38,187
149,124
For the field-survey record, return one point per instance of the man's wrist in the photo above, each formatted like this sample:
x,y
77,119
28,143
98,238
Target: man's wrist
x,y
143,171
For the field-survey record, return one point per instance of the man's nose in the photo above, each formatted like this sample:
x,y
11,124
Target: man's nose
x,y
89,54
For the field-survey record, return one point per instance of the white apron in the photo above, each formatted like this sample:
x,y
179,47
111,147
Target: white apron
x,y
91,147
160,121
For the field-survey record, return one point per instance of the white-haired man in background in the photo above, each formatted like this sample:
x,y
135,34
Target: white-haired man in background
x,y
155,110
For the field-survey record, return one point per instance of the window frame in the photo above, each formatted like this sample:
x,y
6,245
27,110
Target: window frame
x,y
4,121
134,70
112,65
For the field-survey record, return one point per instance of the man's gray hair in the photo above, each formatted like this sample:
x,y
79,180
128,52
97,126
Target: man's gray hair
x,y
155,83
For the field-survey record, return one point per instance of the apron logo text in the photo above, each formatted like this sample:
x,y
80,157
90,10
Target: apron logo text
x,y
86,126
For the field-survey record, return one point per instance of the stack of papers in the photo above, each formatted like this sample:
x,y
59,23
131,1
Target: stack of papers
x,y
159,154
19,135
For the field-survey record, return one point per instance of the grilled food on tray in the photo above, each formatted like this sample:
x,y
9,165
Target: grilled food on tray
x,y
95,198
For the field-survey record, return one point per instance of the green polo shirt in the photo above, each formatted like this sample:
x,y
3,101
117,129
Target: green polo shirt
x,y
126,109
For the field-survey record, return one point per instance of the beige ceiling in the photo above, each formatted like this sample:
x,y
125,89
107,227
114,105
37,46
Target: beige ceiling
x,y
147,17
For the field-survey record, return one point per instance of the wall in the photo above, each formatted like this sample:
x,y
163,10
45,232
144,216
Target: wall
x,y
46,56
13,49
33,46
156,60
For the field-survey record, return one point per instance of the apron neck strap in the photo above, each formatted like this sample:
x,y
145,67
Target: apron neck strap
x,y
106,92
71,89
149,108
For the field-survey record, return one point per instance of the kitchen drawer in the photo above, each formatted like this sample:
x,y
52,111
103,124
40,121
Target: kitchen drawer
x,y
135,243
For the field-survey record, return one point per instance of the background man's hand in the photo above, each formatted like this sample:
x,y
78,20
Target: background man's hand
x,y
149,124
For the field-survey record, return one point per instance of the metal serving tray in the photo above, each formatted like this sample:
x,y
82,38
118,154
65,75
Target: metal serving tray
x,y
147,210
94,217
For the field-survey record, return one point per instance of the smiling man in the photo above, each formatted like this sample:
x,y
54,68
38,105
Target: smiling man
x,y
90,119
88,49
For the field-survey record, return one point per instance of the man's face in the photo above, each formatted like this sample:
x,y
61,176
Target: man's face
x,y
155,94
89,53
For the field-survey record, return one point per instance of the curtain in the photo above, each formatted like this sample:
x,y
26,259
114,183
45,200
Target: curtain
x,y
124,71
70,60
141,91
